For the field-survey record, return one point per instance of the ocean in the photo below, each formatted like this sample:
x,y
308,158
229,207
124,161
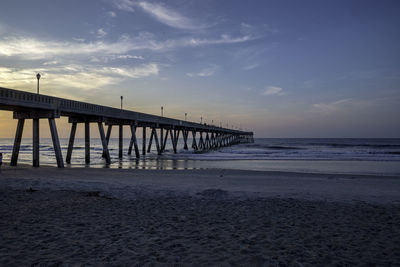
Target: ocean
x,y
327,155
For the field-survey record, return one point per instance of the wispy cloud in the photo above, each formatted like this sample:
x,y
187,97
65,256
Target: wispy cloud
x,y
224,39
169,16
129,57
161,13
273,90
125,5
250,67
53,62
138,72
79,39
101,33
333,106
76,76
209,71
33,49
111,14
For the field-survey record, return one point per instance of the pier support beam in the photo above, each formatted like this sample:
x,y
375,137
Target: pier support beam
x,y
154,133
71,142
164,142
150,141
161,138
56,143
17,142
200,140
173,141
35,142
87,142
185,137
177,137
120,141
207,143
212,140
104,142
109,128
133,142
194,143
144,141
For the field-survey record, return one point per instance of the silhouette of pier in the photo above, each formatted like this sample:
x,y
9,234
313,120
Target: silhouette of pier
x,y
27,105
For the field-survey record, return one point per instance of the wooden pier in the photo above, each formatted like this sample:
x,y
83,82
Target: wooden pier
x,y
27,105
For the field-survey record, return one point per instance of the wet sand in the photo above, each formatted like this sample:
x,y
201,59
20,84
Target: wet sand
x,y
215,217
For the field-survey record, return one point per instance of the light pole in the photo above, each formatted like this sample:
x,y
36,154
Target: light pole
x,y
185,116
162,111
122,98
38,78
201,120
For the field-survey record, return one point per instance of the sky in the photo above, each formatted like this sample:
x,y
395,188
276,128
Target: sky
x,y
276,67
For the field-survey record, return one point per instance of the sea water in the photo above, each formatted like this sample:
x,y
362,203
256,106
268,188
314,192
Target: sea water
x,y
348,156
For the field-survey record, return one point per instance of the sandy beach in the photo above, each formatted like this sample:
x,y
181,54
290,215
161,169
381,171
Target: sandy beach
x,y
119,217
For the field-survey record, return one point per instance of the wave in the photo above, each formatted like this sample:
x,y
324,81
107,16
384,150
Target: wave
x,y
385,152
275,147
339,145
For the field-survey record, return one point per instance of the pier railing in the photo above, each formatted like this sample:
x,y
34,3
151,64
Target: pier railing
x,y
20,100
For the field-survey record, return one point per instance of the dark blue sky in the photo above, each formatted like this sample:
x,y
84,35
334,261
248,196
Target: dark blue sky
x,y
281,68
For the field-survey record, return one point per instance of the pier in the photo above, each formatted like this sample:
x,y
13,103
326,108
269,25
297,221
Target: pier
x,y
25,105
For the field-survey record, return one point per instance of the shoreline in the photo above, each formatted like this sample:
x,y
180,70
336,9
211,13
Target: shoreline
x,y
122,182
321,166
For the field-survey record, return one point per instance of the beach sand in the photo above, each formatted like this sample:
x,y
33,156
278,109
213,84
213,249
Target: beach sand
x,y
52,216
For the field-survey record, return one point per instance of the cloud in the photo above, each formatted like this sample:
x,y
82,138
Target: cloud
x,y
108,58
125,5
224,39
101,33
129,57
169,16
333,106
111,14
34,49
138,72
31,48
250,67
273,90
161,13
79,39
53,62
205,72
94,59
76,76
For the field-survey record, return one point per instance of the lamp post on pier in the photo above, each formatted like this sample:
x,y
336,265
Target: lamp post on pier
x,y
201,120
162,111
38,78
122,98
185,116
